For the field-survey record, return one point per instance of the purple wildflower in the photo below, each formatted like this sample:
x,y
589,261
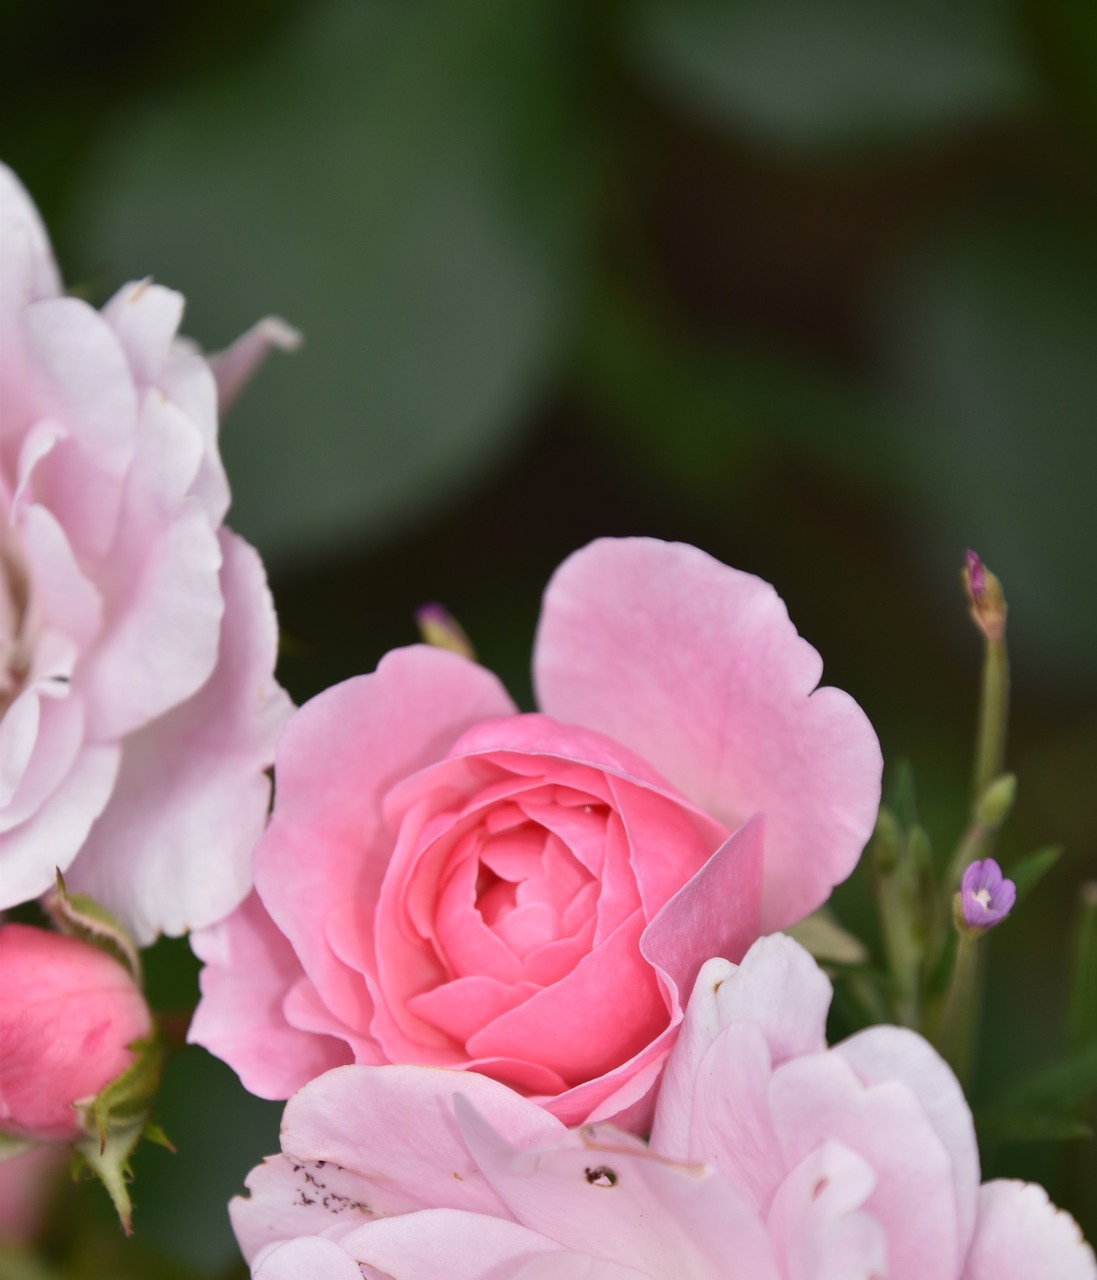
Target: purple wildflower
x,y
986,895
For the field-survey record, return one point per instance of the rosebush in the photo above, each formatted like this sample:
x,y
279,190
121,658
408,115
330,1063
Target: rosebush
x,y
446,881
138,708
68,1017
772,1158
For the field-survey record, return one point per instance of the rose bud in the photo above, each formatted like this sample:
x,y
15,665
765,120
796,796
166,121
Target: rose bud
x,y
69,1017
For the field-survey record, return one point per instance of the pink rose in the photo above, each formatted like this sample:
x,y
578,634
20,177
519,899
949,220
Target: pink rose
x,y
772,1158
448,882
138,708
68,1016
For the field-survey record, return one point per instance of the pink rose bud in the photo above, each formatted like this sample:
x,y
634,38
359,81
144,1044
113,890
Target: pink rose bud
x,y
986,896
68,1017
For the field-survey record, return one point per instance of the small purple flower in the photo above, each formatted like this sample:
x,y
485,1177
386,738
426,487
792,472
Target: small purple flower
x,y
986,895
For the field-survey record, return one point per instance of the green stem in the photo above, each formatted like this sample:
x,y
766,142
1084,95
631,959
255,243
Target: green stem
x,y
955,1034
903,952
990,748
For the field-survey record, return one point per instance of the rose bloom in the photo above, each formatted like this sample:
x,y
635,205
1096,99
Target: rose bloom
x,y
68,1016
446,881
138,708
772,1158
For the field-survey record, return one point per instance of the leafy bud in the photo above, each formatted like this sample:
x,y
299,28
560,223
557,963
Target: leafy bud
x,y
996,801
79,1060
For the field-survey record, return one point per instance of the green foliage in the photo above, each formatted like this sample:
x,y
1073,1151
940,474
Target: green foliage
x,y
836,72
368,175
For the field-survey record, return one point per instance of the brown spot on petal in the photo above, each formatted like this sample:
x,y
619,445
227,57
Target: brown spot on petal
x,y
820,1187
601,1176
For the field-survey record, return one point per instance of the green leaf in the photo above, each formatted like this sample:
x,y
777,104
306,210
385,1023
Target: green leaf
x,y
995,326
835,72
1082,1015
724,401
406,181
1058,1089
1030,870
1018,1127
822,935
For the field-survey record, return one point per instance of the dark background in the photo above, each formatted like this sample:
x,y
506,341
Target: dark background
x,y
809,283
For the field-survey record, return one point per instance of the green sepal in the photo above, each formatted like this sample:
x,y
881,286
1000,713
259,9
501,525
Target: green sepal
x,y
108,1159
116,1119
154,1134
11,1146
82,917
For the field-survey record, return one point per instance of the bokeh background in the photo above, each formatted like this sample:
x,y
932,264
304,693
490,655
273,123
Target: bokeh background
x,y
809,283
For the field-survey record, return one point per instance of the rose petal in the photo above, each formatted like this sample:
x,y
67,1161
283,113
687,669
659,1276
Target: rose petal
x,y
895,1053
445,1242
310,1258
603,1193
818,1098
697,668
171,851
249,969
356,1118
336,760
1020,1235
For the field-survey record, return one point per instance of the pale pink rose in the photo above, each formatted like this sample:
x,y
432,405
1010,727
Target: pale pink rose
x,y
772,1158
448,882
68,1016
138,708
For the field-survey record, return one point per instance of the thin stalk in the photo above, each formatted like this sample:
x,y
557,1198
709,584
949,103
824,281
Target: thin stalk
x,y
990,744
955,1036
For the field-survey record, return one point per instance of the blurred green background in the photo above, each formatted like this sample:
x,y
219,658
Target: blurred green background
x,y
809,283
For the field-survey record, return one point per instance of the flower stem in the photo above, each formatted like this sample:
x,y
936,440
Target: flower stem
x,y
955,1034
990,749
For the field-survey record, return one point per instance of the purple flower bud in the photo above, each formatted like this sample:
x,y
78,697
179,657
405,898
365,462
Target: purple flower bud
x,y
988,605
976,573
438,627
986,895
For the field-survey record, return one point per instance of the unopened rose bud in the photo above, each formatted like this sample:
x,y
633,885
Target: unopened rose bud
x,y
68,1016
986,897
